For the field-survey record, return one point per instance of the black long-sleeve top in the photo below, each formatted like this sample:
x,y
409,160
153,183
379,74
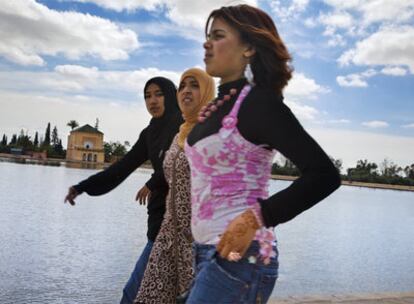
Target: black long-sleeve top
x,y
263,118
106,180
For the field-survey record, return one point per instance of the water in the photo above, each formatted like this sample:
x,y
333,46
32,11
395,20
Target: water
x,y
356,241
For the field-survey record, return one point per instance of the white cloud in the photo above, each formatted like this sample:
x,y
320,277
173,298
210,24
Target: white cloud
x,y
74,79
369,73
163,29
410,126
127,5
302,88
356,80
352,80
375,11
77,71
337,20
310,22
30,30
388,46
387,10
374,124
292,10
303,112
394,71
336,40
194,13
182,12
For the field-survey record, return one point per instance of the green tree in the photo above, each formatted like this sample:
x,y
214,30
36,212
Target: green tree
x,y
58,148
3,145
409,171
288,168
107,151
55,136
72,124
389,169
364,171
114,149
337,163
24,141
46,141
118,149
4,140
36,140
13,140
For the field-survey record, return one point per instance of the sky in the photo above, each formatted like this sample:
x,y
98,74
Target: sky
x,y
352,89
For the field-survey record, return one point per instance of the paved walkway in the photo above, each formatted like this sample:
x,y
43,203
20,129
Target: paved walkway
x,y
380,298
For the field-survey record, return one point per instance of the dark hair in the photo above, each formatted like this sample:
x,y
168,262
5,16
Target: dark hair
x,y
169,90
270,63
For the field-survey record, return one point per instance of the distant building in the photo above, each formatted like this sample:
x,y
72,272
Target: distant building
x,y
85,144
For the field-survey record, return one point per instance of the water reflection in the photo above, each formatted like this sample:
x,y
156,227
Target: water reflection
x,y
85,165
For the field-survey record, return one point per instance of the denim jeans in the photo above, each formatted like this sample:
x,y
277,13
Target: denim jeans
x,y
220,281
132,286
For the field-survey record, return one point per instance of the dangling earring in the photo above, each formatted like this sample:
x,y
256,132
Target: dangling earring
x,y
248,73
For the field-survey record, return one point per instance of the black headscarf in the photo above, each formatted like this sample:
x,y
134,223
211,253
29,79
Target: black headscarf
x,y
162,130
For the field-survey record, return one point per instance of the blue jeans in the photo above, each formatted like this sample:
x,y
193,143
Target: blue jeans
x,y
132,286
220,281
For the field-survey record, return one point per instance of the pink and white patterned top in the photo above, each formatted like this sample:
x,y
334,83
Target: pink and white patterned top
x,y
228,175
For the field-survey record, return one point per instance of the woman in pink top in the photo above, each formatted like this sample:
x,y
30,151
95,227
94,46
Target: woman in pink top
x,y
231,152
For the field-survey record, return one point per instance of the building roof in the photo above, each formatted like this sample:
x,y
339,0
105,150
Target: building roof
x,y
87,129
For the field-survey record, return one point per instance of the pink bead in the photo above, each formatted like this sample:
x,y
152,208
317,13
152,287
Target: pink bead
x,y
233,91
213,108
226,97
207,114
203,108
201,119
220,102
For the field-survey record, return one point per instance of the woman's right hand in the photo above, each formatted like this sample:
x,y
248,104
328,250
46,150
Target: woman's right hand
x,y
72,194
143,195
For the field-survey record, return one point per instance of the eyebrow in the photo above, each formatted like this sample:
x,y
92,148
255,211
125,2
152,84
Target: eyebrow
x,y
216,31
157,91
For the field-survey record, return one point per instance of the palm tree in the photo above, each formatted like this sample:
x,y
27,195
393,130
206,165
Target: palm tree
x,y
72,124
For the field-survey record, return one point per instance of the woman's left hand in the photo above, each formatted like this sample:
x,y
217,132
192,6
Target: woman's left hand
x,y
238,236
143,195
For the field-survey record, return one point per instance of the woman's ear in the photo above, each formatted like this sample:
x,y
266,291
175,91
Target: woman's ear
x,y
249,52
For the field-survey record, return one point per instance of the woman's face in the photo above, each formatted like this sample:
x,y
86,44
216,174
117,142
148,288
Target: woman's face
x,y
225,54
189,95
154,100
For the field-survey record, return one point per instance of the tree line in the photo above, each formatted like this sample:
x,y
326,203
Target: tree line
x,y
52,144
49,142
387,172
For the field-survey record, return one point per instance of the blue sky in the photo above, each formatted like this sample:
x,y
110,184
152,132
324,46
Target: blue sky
x,y
353,86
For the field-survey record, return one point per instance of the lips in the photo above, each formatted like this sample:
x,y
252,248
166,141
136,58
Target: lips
x,y
154,109
207,56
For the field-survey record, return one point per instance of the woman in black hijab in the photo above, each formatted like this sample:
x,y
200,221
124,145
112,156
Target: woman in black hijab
x,y
154,140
